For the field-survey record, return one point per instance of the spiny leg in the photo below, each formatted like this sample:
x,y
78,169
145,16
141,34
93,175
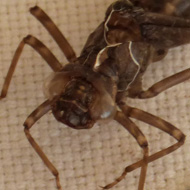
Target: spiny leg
x,y
164,84
141,139
40,48
32,118
55,32
155,122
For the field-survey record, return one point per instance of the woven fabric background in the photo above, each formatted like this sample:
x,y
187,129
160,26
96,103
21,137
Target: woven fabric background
x,y
86,159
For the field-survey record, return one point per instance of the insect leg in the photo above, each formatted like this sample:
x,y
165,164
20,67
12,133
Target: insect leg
x,y
32,118
40,48
141,139
164,84
151,158
158,123
155,122
55,32
152,120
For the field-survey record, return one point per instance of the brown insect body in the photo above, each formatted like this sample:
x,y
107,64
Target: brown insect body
x,y
111,66
102,70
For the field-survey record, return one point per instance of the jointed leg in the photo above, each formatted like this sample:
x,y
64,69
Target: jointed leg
x,y
55,32
158,123
32,118
40,48
152,120
151,158
138,135
164,84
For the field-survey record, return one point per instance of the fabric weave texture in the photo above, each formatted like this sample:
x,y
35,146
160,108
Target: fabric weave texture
x,y
86,159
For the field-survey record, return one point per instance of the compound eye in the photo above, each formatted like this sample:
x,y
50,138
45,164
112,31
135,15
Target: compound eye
x,y
104,107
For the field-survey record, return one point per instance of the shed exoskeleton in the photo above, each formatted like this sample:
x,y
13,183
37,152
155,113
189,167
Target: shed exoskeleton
x,y
110,68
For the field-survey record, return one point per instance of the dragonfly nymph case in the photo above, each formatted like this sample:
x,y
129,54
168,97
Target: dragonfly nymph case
x,y
96,84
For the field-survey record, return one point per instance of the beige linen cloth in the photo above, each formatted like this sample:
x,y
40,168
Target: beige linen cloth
x,y
86,159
